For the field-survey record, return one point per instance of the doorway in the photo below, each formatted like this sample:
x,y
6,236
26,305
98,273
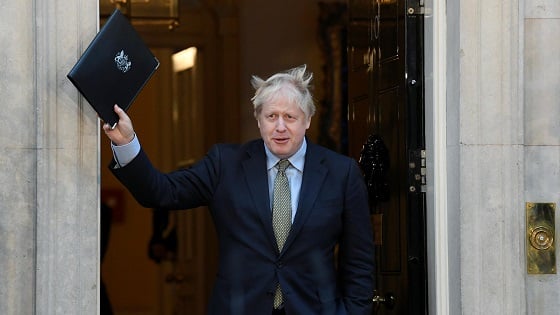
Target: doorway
x,y
370,90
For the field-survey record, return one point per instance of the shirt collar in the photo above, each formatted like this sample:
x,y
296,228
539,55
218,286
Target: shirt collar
x,y
297,160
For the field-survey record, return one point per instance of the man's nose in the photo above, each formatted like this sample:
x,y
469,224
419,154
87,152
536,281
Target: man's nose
x,y
280,124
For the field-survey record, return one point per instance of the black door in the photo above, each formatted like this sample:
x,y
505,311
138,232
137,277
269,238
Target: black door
x,y
386,133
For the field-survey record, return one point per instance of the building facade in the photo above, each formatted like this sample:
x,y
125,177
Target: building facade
x,y
493,145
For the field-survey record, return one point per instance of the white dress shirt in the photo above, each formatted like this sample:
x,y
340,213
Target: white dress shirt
x,y
294,173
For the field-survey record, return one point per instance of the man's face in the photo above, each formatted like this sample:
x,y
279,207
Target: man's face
x,y
282,125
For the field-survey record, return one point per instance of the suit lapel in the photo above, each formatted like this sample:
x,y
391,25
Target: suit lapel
x,y
256,174
313,176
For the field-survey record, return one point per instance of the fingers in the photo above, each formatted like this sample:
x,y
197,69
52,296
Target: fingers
x,y
118,134
123,132
121,113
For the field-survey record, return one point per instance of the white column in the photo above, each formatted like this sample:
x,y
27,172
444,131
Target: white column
x,y
542,132
49,165
491,204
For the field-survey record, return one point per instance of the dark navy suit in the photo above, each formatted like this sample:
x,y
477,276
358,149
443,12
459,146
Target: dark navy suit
x,y
232,181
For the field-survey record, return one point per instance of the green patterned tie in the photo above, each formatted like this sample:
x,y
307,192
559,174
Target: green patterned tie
x,y
281,214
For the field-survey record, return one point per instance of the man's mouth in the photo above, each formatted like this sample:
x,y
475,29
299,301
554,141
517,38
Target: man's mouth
x,y
281,140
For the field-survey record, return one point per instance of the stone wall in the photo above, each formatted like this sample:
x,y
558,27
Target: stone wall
x,y
48,161
541,24
508,136
491,159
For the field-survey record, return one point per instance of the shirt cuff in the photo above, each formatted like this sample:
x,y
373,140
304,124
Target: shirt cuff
x,y
125,153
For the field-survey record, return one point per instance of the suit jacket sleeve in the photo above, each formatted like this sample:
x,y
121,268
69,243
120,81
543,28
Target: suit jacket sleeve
x,y
356,248
181,189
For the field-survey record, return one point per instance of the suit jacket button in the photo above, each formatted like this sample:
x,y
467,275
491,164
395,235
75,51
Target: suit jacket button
x,y
279,264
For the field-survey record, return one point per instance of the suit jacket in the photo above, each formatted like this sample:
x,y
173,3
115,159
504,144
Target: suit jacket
x,y
332,216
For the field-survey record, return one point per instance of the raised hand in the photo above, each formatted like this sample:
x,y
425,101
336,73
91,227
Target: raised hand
x,y
123,132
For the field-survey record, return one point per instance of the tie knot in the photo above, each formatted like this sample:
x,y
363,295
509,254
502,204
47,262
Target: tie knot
x,y
283,165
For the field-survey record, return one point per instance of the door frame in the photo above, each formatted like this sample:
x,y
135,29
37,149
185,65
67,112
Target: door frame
x,y
435,34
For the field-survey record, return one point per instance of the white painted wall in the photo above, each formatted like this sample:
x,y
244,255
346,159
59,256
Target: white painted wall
x,y
502,149
49,165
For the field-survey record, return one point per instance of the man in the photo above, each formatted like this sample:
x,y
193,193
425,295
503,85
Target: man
x,y
297,243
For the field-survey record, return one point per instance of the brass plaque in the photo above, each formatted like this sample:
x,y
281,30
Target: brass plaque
x,y
541,249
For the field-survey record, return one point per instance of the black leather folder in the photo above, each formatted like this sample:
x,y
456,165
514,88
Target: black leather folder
x,y
114,68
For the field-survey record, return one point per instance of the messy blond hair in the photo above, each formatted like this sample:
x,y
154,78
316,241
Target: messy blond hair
x,y
293,84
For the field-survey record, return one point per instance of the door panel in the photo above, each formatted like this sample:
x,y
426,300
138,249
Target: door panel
x,y
359,62
389,75
389,128
383,59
